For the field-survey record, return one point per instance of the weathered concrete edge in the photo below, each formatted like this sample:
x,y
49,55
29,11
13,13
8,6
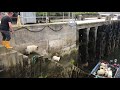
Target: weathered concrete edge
x,y
86,24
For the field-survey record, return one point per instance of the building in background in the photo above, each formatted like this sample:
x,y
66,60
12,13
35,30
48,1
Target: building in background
x,y
28,17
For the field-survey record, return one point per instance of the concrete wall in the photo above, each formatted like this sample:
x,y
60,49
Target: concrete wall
x,y
48,40
10,58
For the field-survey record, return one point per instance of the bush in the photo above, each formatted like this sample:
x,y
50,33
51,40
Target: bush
x,y
40,13
86,13
65,13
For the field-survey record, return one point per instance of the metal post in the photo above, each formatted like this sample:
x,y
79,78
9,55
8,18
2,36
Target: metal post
x,y
69,15
43,16
63,16
22,17
72,15
46,17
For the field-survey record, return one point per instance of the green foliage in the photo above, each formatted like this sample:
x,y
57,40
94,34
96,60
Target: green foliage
x,y
85,13
72,61
65,13
40,13
43,76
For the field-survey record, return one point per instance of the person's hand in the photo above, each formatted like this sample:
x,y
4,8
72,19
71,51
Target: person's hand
x,y
12,31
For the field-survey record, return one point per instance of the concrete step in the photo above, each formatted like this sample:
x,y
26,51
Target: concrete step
x,y
20,58
8,59
4,49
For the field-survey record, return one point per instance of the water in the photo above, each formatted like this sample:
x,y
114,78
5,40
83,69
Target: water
x,y
114,55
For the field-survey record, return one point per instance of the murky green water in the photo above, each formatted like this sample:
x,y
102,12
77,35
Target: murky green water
x,y
114,55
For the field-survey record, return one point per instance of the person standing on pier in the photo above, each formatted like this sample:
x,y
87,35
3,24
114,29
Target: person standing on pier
x,y
6,28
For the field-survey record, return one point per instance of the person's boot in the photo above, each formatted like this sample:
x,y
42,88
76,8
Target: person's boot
x,y
3,43
7,44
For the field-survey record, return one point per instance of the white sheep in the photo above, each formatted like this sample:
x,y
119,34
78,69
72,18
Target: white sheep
x,y
55,58
102,67
106,72
31,48
101,72
103,64
109,73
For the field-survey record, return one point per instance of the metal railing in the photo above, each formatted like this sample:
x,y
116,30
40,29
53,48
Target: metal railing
x,y
46,18
41,19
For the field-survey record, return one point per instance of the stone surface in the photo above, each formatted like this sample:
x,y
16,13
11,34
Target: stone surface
x,y
47,39
3,49
9,58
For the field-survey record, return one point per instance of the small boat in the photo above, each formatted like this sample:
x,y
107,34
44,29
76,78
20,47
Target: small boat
x,y
115,68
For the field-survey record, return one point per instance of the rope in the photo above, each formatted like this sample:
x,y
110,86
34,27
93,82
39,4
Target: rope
x,y
39,30
30,30
56,30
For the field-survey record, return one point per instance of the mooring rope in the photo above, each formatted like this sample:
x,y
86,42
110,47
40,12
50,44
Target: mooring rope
x,y
30,30
40,29
56,30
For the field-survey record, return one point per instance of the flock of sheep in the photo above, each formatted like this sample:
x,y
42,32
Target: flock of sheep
x,y
33,48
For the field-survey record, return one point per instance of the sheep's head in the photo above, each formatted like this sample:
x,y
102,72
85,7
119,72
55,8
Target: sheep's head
x,y
103,64
101,72
102,67
34,46
26,51
37,48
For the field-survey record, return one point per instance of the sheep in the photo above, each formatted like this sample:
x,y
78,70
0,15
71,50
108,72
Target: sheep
x,y
102,67
109,73
101,72
31,48
103,64
55,58
106,72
